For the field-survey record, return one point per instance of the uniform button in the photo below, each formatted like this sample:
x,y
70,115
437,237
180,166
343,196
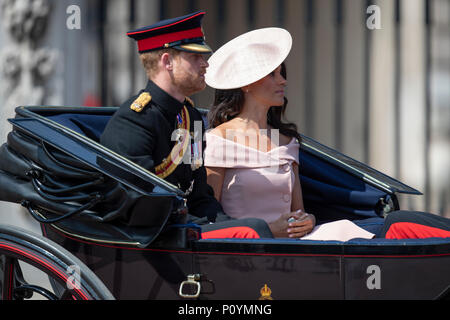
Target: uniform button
x,y
286,197
287,168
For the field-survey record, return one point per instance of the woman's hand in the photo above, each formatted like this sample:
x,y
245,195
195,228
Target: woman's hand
x,y
279,227
301,225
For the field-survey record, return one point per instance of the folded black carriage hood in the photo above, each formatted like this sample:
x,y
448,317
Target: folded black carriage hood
x,y
34,121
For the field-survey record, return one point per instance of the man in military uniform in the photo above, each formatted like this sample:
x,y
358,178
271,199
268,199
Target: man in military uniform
x,y
158,129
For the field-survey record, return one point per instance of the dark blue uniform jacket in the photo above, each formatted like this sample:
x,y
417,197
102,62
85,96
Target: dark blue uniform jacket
x,y
146,139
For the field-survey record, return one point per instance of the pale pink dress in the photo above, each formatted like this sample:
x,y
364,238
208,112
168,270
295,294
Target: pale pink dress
x,y
259,185
256,184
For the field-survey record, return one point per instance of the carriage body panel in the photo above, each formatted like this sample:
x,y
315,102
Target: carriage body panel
x,y
292,269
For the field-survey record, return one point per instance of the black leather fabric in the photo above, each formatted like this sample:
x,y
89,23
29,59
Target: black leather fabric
x,y
57,188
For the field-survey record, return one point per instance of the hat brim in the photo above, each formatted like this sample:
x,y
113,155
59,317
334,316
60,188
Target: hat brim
x,y
194,48
248,58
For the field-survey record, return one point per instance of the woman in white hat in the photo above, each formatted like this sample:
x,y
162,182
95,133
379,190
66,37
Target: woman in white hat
x,y
252,157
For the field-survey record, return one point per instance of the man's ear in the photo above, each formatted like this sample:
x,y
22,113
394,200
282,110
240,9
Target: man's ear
x,y
167,61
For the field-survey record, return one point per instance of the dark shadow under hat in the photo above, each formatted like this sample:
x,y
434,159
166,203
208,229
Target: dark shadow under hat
x,y
183,33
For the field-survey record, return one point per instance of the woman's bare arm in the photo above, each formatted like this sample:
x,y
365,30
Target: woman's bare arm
x,y
215,177
305,222
297,197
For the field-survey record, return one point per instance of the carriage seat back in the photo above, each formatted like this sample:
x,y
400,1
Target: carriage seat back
x,y
91,126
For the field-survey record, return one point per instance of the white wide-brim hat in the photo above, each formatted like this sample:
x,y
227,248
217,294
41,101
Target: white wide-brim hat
x,y
248,58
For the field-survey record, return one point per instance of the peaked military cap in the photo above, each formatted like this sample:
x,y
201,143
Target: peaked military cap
x,y
183,33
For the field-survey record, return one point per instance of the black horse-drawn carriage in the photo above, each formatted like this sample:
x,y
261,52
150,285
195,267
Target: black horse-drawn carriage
x,y
132,243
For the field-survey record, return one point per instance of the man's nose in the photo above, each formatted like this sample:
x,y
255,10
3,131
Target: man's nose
x,y
204,62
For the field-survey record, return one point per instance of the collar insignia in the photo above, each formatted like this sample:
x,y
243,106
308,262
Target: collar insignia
x,y
190,101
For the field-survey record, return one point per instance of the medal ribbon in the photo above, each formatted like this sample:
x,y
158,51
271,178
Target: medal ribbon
x,y
168,166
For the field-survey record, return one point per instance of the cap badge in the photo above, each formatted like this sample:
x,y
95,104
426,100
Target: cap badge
x,y
141,102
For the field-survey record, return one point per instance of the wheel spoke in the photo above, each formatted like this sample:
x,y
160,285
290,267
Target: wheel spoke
x,y
8,278
26,289
36,253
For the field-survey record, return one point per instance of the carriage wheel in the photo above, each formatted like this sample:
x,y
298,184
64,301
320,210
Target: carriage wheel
x,y
21,250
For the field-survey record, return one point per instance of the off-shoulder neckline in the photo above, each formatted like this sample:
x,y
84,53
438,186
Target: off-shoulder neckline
x,y
293,141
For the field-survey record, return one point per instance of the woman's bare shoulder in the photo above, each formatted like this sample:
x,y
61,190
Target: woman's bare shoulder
x,y
222,129
216,132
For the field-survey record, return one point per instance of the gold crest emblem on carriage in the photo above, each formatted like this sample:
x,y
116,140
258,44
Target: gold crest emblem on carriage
x,y
266,293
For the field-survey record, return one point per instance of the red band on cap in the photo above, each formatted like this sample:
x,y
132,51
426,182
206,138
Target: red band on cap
x,y
160,41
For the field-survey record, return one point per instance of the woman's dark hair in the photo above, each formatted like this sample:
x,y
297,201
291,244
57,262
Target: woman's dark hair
x,y
228,105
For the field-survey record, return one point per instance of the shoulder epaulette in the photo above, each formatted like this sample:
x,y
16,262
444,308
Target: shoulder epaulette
x,y
141,102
